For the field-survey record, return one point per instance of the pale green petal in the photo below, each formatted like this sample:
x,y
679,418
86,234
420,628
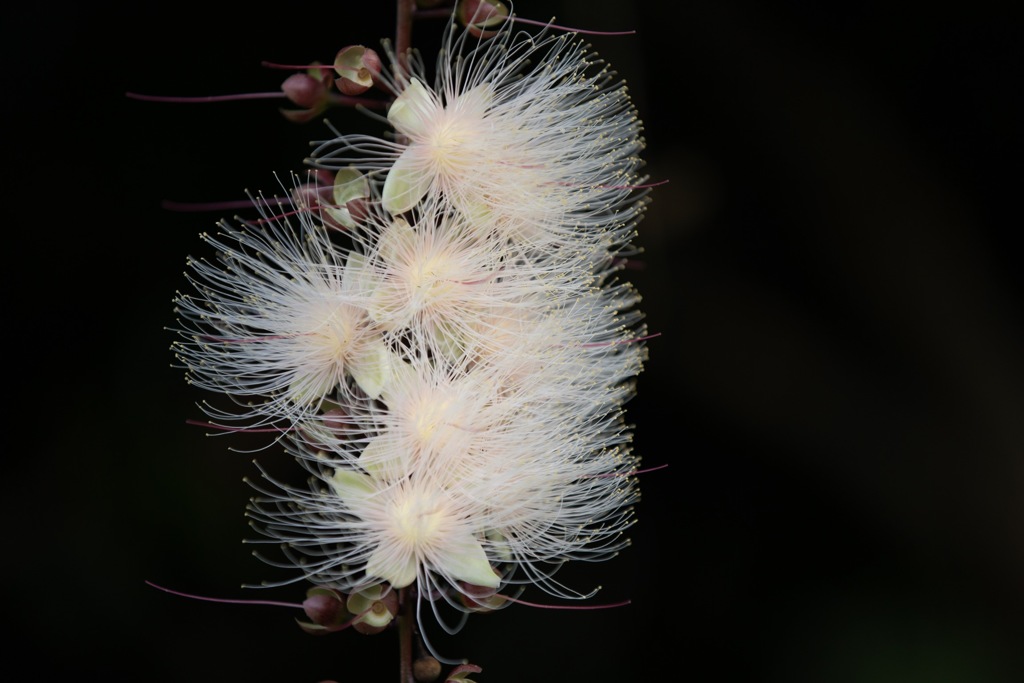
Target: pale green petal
x,y
406,184
349,184
362,601
403,376
382,460
450,342
393,246
467,561
399,572
339,214
398,239
309,388
372,368
500,543
355,277
352,486
409,111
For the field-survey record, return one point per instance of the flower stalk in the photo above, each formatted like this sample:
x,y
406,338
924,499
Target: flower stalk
x,y
434,325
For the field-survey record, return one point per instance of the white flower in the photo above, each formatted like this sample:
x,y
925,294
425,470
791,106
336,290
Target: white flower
x,y
468,480
442,281
273,324
531,136
457,370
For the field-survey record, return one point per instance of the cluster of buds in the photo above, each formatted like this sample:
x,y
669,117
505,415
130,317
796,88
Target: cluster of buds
x,y
368,610
354,71
433,323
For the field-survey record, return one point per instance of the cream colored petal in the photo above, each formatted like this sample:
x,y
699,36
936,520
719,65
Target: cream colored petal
x,y
372,368
474,103
354,279
403,377
397,569
466,560
406,184
410,110
382,460
362,601
349,184
399,238
352,487
450,342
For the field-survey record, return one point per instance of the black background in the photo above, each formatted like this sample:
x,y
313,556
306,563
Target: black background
x,y
837,390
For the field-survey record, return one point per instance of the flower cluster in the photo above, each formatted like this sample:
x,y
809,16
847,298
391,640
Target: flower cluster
x,y
434,324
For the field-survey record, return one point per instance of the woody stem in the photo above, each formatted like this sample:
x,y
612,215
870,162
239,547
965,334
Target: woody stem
x,y
403,35
405,626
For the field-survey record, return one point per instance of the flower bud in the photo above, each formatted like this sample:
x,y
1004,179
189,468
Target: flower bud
x,y
376,606
356,67
326,608
348,192
481,598
426,669
308,90
477,15
459,673
304,90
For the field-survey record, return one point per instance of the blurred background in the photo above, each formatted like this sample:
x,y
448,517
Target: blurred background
x,y
837,390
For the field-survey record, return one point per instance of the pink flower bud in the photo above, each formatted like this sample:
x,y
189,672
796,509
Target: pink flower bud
x,y
477,15
459,674
326,607
304,90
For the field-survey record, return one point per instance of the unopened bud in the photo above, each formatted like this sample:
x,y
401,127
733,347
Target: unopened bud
x,y
326,608
304,90
308,90
426,669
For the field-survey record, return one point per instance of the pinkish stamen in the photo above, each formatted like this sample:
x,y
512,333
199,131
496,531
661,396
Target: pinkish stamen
x,y
171,205
272,603
295,67
207,98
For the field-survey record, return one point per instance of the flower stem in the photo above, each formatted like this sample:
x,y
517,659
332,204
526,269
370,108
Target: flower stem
x,y
405,624
403,35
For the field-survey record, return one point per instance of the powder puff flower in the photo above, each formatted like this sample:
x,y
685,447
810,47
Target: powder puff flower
x,y
468,486
532,136
443,279
274,324
453,377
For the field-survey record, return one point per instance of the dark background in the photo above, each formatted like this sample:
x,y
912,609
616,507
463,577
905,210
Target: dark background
x,y
837,391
